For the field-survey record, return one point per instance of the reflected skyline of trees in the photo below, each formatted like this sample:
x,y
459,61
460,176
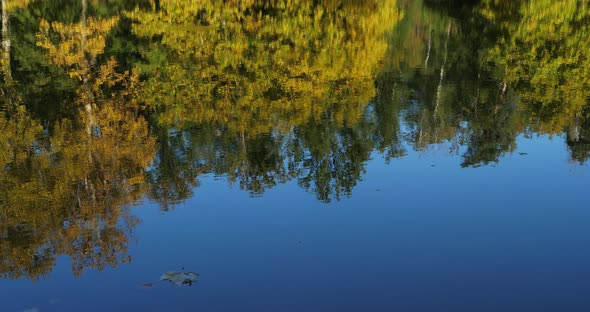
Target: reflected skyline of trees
x,y
106,104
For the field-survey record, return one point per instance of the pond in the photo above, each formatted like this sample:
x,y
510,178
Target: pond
x,y
380,155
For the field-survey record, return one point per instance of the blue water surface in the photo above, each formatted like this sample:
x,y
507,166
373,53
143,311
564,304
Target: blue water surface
x,y
414,237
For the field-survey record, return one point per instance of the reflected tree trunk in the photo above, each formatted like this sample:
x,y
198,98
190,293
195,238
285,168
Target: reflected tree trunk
x,y
244,168
574,131
5,60
442,70
429,48
5,38
501,98
5,44
85,79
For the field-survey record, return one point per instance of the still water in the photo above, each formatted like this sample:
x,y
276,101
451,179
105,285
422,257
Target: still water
x,y
381,155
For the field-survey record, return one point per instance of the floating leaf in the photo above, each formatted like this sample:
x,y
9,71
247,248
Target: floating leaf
x,y
180,278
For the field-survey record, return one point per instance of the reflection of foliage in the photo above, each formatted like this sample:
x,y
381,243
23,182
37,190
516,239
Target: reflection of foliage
x,y
443,93
534,50
16,4
260,92
78,44
176,168
544,54
490,135
329,160
76,48
66,187
67,193
253,71
255,67
35,78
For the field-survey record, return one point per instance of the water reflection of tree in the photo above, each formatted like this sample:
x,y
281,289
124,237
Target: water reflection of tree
x,y
447,94
260,93
67,189
70,193
481,86
255,77
69,183
578,137
542,56
66,194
